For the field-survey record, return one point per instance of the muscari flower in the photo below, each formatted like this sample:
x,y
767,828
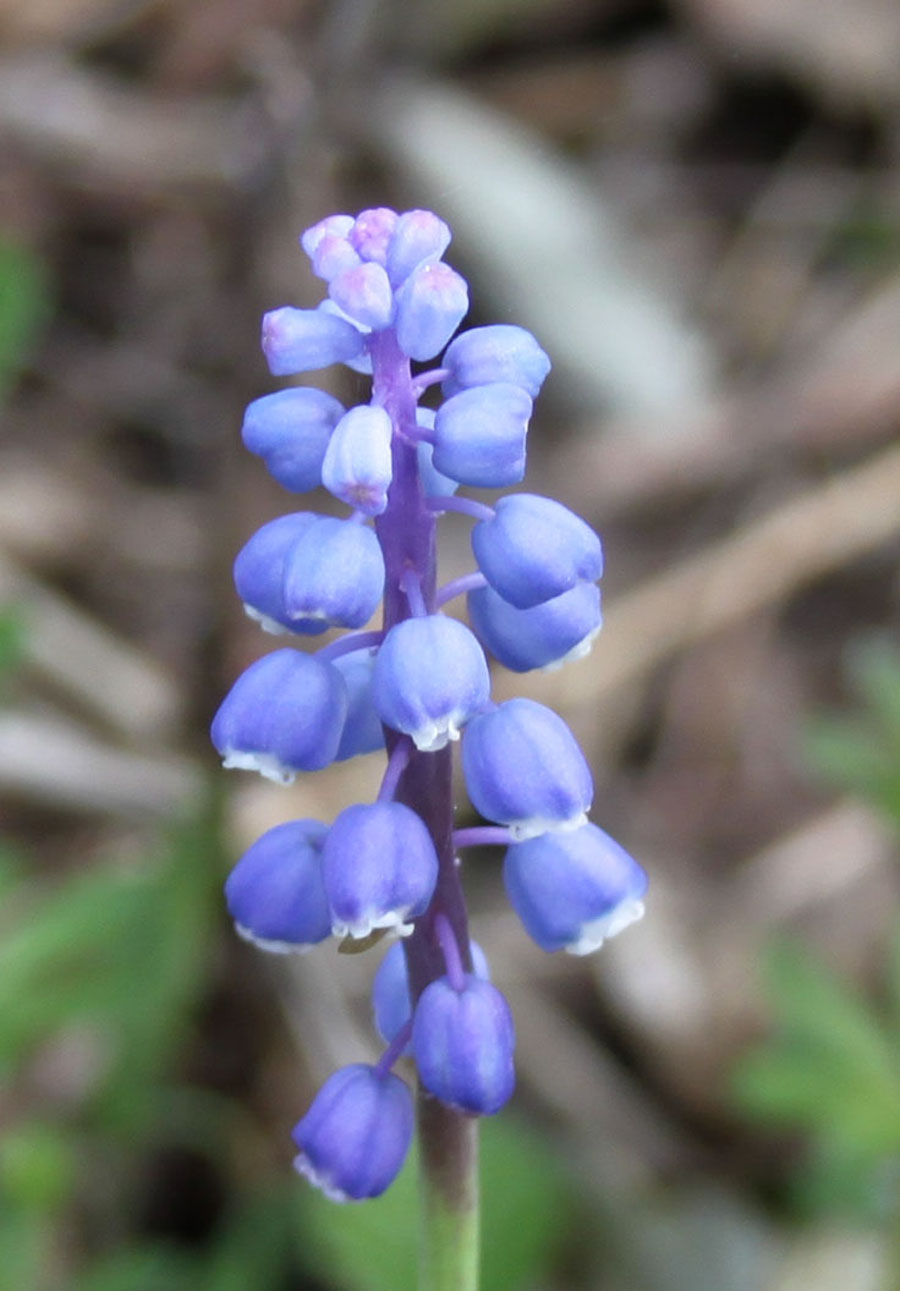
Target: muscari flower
x,y
376,867
355,1136
523,768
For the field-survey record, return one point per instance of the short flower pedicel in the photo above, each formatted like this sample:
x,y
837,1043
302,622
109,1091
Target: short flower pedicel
x,y
415,685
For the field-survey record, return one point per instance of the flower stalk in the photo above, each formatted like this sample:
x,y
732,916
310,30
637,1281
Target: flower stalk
x,y
411,688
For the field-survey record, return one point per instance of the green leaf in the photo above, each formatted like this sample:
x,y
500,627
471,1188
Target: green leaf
x,y
372,1246
37,1167
12,638
141,1269
24,1249
862,753
253,1247
122,952
24,306
831,1067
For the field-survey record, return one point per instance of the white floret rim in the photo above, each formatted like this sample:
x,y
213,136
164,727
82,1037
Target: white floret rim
x,y
266,764
272,946
520,830
319,1179
434,736
592,935
266,622
373,920
580,650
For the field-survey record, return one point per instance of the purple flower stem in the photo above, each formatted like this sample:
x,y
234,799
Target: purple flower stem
x,y
426,379
397,764
349,642
456,974
413,589
394,1049
465,506
482,836
458,587
406,531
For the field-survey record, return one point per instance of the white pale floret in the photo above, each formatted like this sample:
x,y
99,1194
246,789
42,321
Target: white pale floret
x,y
266,764
537,825
592,935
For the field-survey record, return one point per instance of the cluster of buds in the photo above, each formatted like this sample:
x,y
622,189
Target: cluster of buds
x,y
416,684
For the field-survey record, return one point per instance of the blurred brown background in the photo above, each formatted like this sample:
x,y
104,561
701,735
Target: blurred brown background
x,y
695,206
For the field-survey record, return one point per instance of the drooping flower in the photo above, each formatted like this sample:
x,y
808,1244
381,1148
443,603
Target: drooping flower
x,y
523,768
355,1137
574,890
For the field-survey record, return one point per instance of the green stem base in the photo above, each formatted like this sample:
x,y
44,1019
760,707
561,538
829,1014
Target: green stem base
x,y
448,1145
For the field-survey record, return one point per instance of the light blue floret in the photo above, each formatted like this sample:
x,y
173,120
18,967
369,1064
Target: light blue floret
x,y
479,435
333,576
431,677
535,549
430,305
418,237
275,893
355,1137
523,768
390,989
463,1042
302,340
357,467
364,294
546,636
380,868
290,430
500,352
283,715
574,890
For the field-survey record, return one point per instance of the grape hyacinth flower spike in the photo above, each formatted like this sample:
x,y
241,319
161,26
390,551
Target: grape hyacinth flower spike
x,y
447,408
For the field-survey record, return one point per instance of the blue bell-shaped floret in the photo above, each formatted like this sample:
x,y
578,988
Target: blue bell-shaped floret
x,y
357,465
573,890
500,352
390,989
534,549
430,305
546,636
479,435
523,768
333,576
283,715
431,676
363,732
372,233
276,894
355,1137
301,340
463,1043
380,868
418,237
290,430
363,292
259,571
